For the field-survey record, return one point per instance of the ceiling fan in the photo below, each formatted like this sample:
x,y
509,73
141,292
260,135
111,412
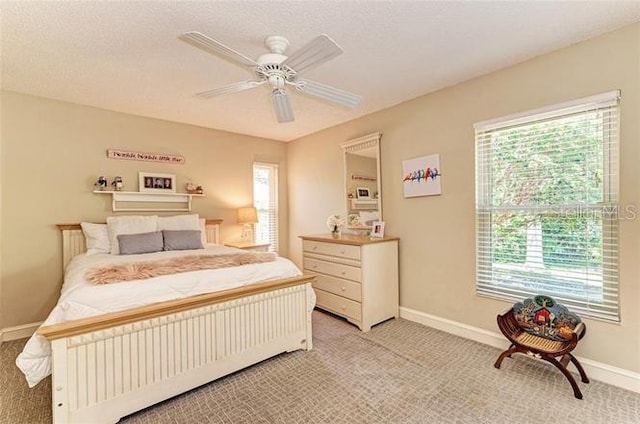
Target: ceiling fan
x,y
278,70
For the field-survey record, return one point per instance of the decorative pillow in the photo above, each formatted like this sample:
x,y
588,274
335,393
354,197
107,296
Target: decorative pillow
x,y
96,238
179,222
133,244
129,225
182,239
542,316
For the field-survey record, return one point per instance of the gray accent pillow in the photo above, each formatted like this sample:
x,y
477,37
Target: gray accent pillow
x,y
182,239
133,244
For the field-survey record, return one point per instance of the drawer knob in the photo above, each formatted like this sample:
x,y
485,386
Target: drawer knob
x,y
343,272
344,288
342,251
315,247
344,308
314,266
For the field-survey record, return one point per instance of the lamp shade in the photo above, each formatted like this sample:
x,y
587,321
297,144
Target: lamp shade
x,y
247,215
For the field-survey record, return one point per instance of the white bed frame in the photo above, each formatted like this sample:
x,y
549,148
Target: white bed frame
x,y
110,366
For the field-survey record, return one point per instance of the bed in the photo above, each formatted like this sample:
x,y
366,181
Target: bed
x,y
108,366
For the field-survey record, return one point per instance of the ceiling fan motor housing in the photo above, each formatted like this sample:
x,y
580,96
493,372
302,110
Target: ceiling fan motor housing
x,y
269,64
277,75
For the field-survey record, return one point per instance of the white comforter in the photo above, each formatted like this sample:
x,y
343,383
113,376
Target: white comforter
x,y
80,299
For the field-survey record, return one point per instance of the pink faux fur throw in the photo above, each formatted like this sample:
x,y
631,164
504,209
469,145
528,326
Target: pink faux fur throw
x,y
160,267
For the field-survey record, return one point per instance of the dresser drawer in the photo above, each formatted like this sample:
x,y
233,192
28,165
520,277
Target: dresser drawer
x,y
337,270
333,249
338,305
344,288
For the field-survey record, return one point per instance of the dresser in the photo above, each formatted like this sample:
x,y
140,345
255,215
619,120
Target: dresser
x,y
357,277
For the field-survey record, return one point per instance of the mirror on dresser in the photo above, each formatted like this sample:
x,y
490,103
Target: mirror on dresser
x,y
362,182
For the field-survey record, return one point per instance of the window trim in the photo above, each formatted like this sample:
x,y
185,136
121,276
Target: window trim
x,y
274,242
610,98
484,209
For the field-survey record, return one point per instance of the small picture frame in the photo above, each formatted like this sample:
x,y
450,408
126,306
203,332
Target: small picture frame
x,y
363,193
155,182
377,229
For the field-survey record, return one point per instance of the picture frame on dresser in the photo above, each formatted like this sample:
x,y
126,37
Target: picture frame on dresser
x,y
377,229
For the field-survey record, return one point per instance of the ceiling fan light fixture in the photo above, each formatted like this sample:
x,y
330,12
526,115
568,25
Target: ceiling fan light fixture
x,y
276,81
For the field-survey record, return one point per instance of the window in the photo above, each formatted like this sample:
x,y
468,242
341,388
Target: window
x,y
265,199
547,205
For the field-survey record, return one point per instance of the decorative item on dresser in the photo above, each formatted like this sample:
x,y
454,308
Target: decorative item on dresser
x,y
356,276
378,229
334,223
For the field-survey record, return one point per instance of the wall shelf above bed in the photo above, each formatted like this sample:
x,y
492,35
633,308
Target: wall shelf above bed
x,y
134,199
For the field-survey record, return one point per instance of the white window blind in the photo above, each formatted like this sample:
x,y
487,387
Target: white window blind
x,y
547,205
265,199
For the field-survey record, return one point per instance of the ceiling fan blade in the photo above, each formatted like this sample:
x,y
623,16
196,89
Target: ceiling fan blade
x,y
282,106
326,92
231,88
319,50
210,45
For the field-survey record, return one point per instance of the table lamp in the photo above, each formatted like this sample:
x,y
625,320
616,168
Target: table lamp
x,y
247,217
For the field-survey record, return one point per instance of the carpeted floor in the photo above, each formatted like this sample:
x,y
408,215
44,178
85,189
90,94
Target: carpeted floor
x,y
400,372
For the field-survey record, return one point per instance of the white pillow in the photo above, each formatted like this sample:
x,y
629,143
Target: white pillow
x,y
96,238
117,225
179,222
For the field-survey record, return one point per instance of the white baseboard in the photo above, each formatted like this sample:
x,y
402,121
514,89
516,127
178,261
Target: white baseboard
x,y
18,332
609,374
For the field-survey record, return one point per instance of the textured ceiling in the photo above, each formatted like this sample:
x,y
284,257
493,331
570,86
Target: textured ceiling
x,y
126,56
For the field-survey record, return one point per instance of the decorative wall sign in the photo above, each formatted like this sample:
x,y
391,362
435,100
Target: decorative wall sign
x,y
421,176
356,177
145,156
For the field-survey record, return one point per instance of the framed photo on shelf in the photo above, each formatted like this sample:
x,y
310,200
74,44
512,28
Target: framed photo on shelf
x,y
377,229
155,182
363,193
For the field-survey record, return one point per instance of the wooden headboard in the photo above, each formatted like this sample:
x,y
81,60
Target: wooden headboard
x,y
73,240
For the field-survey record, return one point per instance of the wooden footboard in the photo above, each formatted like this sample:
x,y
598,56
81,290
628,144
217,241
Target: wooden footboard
x,y
110,366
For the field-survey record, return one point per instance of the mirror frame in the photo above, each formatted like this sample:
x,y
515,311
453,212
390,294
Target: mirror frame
x,y
352,146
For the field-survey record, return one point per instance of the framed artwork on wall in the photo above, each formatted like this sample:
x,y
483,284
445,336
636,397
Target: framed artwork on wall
x,y
155,182
421,176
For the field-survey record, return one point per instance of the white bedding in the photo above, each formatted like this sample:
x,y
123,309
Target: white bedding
x,y
80,299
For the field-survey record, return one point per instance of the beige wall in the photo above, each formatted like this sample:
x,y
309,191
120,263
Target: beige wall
x,y
437,248
52,152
